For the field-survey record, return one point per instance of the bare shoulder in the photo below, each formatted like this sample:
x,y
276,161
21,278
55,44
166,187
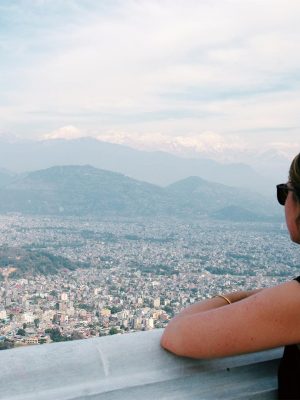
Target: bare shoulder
x,y
267,319
282,299
278,306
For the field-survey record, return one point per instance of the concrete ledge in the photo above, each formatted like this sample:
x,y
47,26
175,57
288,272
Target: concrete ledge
x,y
132,366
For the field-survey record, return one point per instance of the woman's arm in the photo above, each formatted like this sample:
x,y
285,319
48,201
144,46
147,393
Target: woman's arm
x,y
266,319
216,302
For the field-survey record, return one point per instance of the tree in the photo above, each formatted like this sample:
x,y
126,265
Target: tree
x,y
21,332
76,335
169,310
36,322
55,335
113,331
114,309
6,344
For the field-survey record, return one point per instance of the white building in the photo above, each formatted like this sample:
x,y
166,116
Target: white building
x,y
156,302
28,318
64,296
3,313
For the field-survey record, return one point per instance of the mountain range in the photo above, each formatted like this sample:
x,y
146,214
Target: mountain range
x,y
158,168
86,190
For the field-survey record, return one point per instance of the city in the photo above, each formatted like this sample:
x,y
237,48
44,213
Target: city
x,y
137,273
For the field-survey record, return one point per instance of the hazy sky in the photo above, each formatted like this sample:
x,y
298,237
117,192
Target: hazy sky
x,y
199,75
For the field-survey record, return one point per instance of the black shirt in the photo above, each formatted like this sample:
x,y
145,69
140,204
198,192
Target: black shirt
x,y
289,372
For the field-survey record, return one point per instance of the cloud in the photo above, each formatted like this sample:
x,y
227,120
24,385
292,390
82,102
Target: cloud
x,y
161,66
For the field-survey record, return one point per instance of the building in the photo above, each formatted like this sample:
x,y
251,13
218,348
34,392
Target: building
x,y
3,314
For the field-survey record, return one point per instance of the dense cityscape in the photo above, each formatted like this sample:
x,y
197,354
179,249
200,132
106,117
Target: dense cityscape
x,y
135,274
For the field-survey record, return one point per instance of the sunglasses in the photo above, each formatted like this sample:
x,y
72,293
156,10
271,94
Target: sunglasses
x,y
282,192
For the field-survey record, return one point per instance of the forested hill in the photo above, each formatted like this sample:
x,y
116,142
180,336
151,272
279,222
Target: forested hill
x,y
85,190
25,261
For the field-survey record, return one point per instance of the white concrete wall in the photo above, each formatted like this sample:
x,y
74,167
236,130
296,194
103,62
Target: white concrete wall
x,y
131,366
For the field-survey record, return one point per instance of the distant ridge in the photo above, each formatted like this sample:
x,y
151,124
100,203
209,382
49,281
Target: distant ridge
x,y
158,167
86,190
79,190
194,192
6,177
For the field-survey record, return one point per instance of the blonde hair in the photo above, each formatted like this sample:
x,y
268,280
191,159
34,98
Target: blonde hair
x,y
294,176
294,179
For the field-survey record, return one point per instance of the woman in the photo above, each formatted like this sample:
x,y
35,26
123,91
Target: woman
x,y
247,321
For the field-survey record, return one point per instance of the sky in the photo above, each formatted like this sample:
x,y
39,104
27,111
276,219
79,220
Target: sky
x,y
215,77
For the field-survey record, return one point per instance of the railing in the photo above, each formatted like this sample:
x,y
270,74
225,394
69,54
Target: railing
x,y
131,366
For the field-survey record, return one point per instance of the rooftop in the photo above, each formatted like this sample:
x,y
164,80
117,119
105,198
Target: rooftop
x,y
132,366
